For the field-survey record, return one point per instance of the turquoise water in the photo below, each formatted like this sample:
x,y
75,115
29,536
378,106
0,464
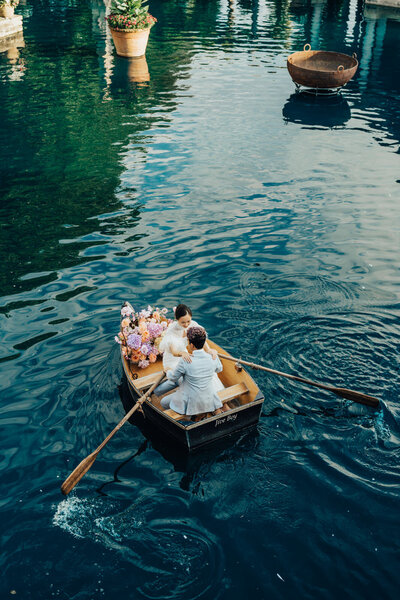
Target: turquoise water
x,y
199,176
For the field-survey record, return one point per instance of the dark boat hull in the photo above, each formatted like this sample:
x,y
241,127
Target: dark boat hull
x,y
196,435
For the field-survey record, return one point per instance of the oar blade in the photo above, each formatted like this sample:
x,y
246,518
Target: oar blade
x,y
357,397
78,473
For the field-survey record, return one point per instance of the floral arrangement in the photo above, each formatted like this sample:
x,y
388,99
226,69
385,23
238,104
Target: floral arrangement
x,y
141,333
130,15
12,3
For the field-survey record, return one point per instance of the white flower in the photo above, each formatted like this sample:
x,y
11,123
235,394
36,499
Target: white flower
x,y
126,311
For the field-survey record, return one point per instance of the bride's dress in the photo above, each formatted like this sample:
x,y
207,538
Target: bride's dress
x,y
175,335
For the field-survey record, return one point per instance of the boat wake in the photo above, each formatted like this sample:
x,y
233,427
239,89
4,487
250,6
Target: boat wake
x,y
175,557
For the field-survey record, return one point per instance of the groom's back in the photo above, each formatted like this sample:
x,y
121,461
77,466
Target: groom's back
x,y
199,373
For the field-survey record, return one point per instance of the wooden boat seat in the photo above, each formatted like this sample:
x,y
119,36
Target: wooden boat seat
x,y
146,381
225,395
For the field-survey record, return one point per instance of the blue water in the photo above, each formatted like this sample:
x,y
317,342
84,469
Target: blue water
x,y
199,176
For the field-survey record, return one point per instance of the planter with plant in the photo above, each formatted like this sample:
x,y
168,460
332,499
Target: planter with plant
x,y
7,8
130,23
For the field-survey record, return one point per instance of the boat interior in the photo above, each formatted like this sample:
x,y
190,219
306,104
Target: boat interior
x,y
239,387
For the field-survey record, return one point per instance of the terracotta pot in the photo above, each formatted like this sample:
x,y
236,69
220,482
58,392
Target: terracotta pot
x,y
130,43
138,71
7,11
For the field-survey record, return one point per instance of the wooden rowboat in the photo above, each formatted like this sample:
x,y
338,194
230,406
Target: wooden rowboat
x,y
320,70
241,394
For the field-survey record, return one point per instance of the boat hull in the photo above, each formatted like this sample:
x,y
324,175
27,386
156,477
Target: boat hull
x,y
200,434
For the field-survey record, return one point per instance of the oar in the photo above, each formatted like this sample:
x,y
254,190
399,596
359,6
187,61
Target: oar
x,y
343,392
87,462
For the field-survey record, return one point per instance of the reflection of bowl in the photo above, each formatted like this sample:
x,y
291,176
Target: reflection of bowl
x,y
328,111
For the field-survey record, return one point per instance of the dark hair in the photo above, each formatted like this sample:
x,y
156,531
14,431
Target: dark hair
x,y
197,336
182,310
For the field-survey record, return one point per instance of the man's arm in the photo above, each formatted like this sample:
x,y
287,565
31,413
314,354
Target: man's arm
x,y
175,374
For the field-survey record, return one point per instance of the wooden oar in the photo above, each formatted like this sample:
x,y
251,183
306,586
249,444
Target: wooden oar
x,y
87,462
343,392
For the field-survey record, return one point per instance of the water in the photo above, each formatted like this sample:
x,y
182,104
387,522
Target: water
x,y
199,176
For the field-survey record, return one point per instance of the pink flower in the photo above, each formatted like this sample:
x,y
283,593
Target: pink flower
x,y
117,340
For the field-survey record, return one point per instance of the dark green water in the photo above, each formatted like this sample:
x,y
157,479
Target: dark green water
x,y
277,218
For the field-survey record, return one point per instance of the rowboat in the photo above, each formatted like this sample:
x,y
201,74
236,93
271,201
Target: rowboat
x,y
241,395
321,71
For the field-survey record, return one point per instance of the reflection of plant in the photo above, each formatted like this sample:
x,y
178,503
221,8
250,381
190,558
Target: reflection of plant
x,y
12,3
130,14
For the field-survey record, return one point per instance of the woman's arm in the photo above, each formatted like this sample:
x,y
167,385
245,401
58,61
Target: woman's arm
x,y
183,353
211,351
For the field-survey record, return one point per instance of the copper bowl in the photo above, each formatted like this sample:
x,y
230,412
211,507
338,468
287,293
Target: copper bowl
x,y
318,69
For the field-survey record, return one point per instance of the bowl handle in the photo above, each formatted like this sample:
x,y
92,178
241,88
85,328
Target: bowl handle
x,y
354,55
340,68
307,48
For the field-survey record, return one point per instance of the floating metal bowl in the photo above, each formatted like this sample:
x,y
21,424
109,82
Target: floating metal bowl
x,y
317,69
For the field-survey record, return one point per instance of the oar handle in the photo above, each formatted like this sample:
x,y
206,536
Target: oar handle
x,y
339,391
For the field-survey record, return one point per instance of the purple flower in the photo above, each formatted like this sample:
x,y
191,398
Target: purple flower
x,y
134,341
143,363
155,329
146,349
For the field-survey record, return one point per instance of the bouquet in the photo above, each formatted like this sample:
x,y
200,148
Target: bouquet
x,y
141,333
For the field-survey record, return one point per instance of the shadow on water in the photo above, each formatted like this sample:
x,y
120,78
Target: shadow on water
x,y
332,111
183,461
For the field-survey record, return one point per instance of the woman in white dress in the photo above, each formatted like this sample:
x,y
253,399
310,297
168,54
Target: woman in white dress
x,y
174,342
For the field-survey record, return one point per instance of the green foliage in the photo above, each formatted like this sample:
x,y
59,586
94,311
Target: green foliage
x,y
130,14
130,8
13,3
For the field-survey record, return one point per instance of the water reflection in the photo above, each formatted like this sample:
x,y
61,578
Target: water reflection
x,y
303,108
11,47
130,70
183,461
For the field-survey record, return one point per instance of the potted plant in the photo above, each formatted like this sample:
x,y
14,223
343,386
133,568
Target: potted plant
x,y
7,8
130,23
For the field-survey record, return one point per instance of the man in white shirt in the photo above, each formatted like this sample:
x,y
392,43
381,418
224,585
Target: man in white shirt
x,y
196,393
